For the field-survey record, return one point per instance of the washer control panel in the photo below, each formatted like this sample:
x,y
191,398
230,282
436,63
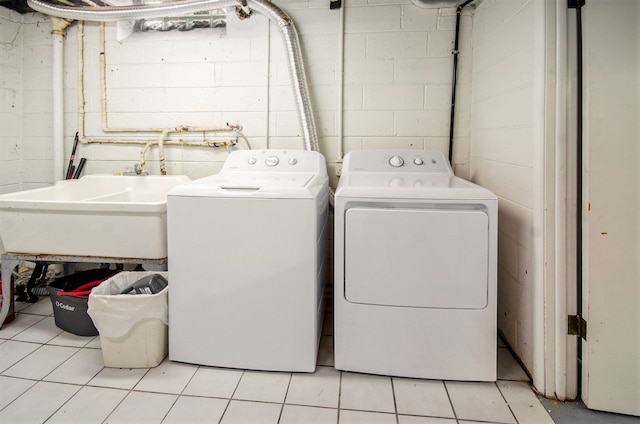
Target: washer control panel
x,y
274,161
397,161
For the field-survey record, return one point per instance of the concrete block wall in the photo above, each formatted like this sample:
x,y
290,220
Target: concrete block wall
x,y
502,151
10,100
37,151
396,86
397,78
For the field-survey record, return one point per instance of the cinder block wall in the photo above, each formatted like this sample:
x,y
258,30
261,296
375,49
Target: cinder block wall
x,y
10,100
395,91
502,152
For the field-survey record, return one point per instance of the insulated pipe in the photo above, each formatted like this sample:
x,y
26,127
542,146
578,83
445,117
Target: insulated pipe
x,y
57,37
276,15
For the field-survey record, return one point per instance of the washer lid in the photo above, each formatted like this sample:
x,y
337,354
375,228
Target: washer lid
x,y
251,184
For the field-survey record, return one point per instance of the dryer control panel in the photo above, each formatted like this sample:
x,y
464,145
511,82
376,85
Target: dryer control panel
x,y
414,161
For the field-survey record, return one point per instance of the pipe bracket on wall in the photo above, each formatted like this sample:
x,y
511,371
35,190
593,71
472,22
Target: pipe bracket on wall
x,y
335,4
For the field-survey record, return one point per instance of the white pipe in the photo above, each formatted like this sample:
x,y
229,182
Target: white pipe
x,y
163,169
57,37
209,143
560,277
80,41
268,88
340,122
264,7
539,182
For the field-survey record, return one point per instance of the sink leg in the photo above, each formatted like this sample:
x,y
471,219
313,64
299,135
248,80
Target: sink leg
x,y
8,266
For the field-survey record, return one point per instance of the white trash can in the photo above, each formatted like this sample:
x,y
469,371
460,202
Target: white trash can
x,y
133,328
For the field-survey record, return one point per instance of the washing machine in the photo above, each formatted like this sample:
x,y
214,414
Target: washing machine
x,y
415,269
246,260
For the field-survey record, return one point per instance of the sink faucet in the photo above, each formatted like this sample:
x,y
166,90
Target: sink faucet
x,y
137,170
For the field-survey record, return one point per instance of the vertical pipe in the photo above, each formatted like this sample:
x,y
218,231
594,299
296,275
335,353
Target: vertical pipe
x,y
57,35
340,117
539,204
579,183
562,368
455,78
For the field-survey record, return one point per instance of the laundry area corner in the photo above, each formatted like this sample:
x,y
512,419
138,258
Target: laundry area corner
x,y
245,211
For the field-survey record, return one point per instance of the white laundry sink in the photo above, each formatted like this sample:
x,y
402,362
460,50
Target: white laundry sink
x,y
96,215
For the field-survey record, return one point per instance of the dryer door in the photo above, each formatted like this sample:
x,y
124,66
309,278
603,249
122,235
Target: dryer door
x,y
429,258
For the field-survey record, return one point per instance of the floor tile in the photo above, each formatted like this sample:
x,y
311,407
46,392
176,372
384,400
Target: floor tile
x,y
363,417
509,368
325,352
193,410
89,405
422,397
79,369
243,412
263,386
366,393
168,377
524,404
118,378
12,388
142,408
42,307
406,419
38,403
18,325
41,362
477,422
68,339
479,401
94,343
321,388
21,306
41,332
296,414
213,382
12,351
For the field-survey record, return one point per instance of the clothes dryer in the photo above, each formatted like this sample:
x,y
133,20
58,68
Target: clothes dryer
x,y
246,253
415,268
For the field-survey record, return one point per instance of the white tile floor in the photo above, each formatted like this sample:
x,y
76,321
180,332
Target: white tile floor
x,y
47,375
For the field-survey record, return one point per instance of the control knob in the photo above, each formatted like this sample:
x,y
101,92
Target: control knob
x,y
396,161
271,161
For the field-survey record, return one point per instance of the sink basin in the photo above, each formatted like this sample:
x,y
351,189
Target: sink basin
x,y
96,215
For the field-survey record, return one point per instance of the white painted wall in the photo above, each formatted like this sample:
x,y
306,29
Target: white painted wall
x,y
10,100
397,85
37,156
503,143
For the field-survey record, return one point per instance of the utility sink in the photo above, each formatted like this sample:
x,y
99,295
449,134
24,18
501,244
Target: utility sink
x,y
97,215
